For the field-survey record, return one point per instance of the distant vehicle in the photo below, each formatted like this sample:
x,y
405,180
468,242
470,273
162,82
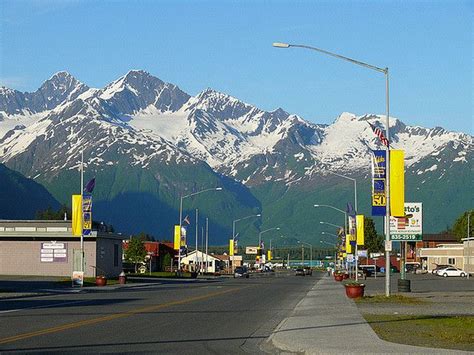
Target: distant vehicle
x,y
438,267
299,272
451,271
308,271
412,267
241,271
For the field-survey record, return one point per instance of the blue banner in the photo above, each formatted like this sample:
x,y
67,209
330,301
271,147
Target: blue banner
x,y
86,214
379,180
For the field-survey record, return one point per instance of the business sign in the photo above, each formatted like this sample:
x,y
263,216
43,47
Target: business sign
x,y
53,252
87,214
251,250
409,227
362,253
379,179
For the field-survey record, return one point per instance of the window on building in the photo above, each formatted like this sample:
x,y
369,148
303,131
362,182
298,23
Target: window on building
x,y
116,254
451,261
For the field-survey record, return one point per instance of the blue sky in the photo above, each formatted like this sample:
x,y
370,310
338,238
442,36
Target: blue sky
x,y
226,45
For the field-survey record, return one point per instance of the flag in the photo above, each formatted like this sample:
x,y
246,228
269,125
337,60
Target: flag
x,y
90,186
379,133
397,183
186,219
360,229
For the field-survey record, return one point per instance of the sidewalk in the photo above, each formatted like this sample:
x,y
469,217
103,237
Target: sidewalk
x,y
327,322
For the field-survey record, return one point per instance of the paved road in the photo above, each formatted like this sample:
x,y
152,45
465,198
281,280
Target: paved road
x,y
214,316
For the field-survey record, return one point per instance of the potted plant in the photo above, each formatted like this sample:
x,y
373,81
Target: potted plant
x,y
338,276
354,289
100,279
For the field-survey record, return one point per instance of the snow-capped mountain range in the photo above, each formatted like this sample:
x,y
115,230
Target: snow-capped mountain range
x,y
144,121
142,110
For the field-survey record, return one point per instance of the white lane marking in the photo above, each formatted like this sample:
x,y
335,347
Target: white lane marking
x,y
45,306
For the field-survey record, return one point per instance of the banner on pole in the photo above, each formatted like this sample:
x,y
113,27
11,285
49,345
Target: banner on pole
x,y
231,247
177,238
360,229
87,214
397,183
76,215
379,177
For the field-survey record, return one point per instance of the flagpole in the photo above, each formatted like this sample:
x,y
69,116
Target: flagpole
x,y
82,210
197,232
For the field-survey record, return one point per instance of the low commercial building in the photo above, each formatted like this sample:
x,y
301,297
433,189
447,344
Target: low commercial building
x,y
48,248
443,254
468,244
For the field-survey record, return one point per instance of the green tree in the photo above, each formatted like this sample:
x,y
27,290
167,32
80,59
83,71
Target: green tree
x,y
373,242
50,214
460,226
135,252
166,261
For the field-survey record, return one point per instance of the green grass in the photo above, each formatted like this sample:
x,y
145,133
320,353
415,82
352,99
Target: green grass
x,y
429,331
88,281
399,299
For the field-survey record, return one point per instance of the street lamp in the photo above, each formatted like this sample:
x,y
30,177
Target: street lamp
x,y
266,230
330,224
311,252
233,232
387,128
181,218
339,210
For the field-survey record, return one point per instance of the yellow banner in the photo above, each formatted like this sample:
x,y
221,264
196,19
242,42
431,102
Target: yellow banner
x,y
231,247
360,229
269,255
348,243
177,237
397,183
76,215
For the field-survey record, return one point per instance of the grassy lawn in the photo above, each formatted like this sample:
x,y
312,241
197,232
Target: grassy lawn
x,y
88,281
430,331
399,299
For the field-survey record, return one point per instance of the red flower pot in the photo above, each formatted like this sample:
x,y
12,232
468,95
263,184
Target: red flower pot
x,y
354,291
346,276
338,277
100,281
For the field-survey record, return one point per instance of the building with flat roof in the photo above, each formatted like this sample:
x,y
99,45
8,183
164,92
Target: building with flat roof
x,y
48,248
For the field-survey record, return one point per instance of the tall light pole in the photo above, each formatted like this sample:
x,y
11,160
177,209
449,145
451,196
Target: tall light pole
x,y
310,251
181,217
387,131
266,230
330,224
339,210
233,233
355,206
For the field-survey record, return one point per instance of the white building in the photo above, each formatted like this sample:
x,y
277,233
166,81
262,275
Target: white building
x,y
215,263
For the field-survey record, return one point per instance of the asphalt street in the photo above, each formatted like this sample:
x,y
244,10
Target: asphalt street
x,y
187,317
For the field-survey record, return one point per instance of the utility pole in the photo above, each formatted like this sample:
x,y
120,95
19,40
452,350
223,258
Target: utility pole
x,y
197,234
207,243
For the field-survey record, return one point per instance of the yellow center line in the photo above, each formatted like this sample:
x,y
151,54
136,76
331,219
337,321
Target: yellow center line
x,y
113,316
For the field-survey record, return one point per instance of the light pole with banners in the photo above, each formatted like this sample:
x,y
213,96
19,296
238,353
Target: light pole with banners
x,y
181,218
233,233
387,147
355,206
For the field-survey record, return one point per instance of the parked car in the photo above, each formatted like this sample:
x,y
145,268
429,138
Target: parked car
x,y
299,272
412,267
308,271
438,267
451,271
241,271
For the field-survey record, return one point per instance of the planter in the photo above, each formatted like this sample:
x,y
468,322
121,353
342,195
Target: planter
x,y
355,291
100,281
345,276
338,277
